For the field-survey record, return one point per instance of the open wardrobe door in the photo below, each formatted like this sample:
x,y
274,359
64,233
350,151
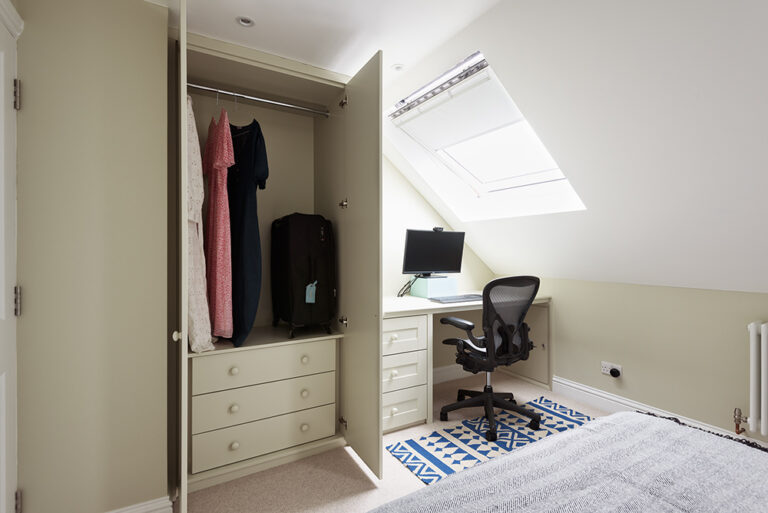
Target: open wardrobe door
x,y
178,369
10,29
348,192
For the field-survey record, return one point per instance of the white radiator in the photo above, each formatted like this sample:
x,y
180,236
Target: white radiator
x,y
758,377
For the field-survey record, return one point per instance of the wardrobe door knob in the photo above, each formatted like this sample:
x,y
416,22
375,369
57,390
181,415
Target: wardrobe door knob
x,y
304,428
234,446
234,408
393,337
394,411
394,373
305,359
305,393
234,371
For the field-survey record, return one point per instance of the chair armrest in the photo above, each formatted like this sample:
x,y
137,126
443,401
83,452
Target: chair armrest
x,y
477,343
458,323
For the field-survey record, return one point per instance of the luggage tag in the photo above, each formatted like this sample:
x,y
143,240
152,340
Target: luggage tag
x,y
310,292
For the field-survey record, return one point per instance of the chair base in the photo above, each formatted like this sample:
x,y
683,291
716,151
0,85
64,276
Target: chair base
x,y
489,400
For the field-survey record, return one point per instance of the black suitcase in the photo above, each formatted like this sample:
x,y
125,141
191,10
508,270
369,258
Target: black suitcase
x,y
303,271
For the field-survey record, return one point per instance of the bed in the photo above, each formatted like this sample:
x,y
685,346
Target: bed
x,y
625,462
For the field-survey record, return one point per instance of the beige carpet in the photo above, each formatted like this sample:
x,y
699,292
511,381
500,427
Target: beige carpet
x,y
336,481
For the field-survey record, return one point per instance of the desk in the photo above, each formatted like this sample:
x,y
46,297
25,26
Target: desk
x,y
408,334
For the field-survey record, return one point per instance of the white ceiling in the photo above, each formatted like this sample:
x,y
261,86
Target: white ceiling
x,y
338,35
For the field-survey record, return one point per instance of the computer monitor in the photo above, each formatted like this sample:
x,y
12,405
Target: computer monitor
x,y
432,251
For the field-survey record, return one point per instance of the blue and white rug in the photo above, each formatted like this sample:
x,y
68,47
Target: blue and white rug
x,y
453,449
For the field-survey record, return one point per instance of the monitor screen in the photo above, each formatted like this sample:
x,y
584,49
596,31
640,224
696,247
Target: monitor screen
x,y
428,251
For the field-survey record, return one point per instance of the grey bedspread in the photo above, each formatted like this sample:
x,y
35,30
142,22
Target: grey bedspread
x,y
626,462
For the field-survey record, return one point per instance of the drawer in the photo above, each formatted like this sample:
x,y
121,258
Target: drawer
x,y
403,334
403,407
234,369
403,370
228,445
238,406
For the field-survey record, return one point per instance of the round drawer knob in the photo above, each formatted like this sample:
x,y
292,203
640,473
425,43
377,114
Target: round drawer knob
x,y
394,373
394,411
305,393
234,371
393,336
304,428
234,408
234,446
305,359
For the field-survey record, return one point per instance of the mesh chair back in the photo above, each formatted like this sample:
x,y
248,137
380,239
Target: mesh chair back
x,y
505,303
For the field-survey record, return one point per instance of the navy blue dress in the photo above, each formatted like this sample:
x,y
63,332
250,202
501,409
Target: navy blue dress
x,y
249,173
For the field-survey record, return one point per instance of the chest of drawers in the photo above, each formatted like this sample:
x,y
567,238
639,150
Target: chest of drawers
x,y
405,371
256,400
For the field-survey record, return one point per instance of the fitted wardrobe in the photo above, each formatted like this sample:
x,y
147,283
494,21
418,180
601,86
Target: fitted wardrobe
x,y
275,399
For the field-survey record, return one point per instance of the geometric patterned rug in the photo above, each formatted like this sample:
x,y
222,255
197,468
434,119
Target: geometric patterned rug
x,y
456,448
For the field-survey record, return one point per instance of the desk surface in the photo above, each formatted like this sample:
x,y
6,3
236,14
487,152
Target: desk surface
x,y
412,305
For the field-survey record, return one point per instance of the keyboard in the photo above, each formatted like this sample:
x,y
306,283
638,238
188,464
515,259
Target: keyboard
x,y
462,298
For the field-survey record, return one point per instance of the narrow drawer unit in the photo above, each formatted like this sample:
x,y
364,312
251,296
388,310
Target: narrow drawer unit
x,y
401,334
403,370
403,407
238,406
223,446
234,369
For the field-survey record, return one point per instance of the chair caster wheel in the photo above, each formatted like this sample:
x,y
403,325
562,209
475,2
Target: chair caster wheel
x,y
443,416
534,425
490,436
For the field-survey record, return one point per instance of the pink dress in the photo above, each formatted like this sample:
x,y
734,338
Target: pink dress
x,y
219,155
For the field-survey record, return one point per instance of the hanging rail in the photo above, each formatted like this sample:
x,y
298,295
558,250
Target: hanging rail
x,y
261,100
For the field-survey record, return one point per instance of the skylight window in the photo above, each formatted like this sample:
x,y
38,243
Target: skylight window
x,y
466,138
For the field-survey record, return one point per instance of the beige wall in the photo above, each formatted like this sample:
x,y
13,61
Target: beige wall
x,y
682,350
290,186
402,208
92,255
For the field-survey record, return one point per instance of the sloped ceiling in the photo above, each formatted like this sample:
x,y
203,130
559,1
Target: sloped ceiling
x,y
656,111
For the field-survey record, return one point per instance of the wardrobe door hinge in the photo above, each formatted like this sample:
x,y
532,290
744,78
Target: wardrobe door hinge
x,y
17,94
17,497
343,422
17,300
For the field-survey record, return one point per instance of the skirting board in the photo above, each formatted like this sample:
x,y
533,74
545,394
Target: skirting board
x,y
613,403
161,505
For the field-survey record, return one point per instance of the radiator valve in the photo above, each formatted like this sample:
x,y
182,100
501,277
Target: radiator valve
x,y
738,420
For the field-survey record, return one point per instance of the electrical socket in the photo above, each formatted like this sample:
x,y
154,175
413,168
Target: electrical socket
x,y
605,367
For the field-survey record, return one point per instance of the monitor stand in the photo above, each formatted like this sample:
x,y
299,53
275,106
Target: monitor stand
x,y
429,286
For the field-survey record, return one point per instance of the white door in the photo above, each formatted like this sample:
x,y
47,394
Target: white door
x,y
7,274
181,336
348,164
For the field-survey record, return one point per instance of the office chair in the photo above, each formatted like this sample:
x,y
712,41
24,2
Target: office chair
x,y
505,303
